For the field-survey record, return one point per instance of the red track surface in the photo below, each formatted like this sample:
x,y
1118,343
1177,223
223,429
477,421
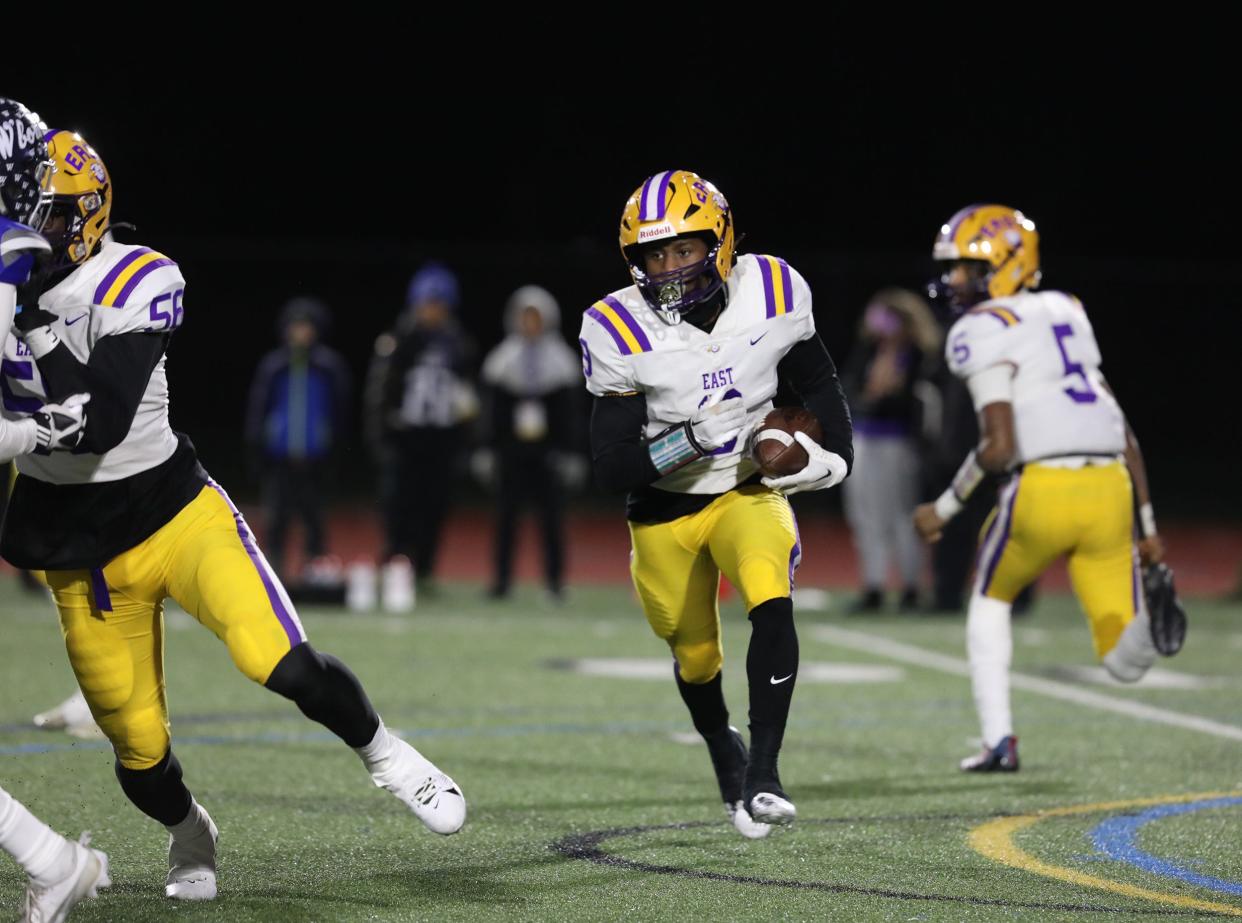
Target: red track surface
x,y
1206,558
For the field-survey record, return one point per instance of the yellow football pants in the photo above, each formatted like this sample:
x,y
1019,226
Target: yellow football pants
x,y
207,560
749,534
1086,513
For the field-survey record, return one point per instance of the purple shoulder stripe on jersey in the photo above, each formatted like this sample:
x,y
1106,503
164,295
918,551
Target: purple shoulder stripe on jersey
x,y
595,314
271,583
1004,536
795,553
115,272
99,589
628,318
787,285
769,293
138,277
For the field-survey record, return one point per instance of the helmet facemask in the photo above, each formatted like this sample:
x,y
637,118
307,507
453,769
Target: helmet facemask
x,y
675,293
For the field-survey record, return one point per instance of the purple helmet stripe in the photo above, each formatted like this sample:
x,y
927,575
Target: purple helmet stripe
x,y
654,198
787,284
629,321
765,269
137,277
116,271
280,602
1004,535
603,321
956,221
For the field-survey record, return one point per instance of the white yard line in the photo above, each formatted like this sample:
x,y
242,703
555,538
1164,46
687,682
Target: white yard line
x,y
920,657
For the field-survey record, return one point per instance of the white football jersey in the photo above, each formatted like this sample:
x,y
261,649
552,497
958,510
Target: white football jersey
x,y
626,348
1060,403
121,289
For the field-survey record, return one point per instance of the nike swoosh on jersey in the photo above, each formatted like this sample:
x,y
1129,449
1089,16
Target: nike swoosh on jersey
x,y
776,682
760,337
69,322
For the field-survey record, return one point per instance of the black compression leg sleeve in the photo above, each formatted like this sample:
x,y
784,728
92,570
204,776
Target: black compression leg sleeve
x,y
157,792
705,701
326,691
772,670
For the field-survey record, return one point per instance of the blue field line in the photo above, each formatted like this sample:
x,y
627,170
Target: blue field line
x,y
275,737
1115,837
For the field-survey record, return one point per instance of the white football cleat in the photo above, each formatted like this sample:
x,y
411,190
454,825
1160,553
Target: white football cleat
x,y
72,716
52,903
434,798
744,824
192,864
771,808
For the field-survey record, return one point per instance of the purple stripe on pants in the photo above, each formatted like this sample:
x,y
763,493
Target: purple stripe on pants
x,y
275,594
99,588
1004,537
795,553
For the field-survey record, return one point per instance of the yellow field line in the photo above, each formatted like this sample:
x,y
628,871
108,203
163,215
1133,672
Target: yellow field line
x,y
994,840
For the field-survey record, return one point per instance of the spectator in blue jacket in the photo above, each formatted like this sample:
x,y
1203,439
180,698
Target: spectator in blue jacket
x,y
296,416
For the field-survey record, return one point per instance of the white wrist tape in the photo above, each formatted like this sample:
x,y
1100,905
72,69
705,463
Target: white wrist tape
x,y
41,341
1147,520
968,477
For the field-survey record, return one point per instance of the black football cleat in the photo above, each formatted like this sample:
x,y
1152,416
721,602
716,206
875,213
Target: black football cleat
x,y
1001,758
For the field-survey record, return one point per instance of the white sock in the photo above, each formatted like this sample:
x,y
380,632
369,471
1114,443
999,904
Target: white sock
x,y
194,825
989,645
377,751
1134,652
46,856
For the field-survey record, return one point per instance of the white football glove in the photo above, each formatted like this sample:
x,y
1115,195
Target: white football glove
x,y
823,469
61,426
716,424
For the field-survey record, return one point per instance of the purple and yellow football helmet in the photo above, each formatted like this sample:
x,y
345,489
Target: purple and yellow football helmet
x,y
999,236
81,196
669,205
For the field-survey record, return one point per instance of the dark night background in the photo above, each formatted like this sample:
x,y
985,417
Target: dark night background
x,y
1131,188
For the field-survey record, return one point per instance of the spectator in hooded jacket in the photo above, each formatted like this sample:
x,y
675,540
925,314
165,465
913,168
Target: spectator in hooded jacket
x,y
531,381
420,395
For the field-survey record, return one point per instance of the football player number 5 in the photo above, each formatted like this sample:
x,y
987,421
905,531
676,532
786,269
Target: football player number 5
x,y
1086,396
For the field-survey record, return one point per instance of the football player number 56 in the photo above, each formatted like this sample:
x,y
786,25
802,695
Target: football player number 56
x,y
166,311
1086,396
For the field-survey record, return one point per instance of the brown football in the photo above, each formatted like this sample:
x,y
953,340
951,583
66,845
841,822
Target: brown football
x,y
775,450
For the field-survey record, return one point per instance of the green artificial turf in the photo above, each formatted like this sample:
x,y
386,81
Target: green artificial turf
x,y
548,756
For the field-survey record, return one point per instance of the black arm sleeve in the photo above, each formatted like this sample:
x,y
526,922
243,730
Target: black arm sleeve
x,y
618,453
116,377
809,371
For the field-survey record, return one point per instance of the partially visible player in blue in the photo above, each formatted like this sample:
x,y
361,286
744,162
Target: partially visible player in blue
x,y
131,518
61,873
684,364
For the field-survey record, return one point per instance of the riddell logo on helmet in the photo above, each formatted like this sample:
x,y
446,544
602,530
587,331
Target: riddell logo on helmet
x,y
655,233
